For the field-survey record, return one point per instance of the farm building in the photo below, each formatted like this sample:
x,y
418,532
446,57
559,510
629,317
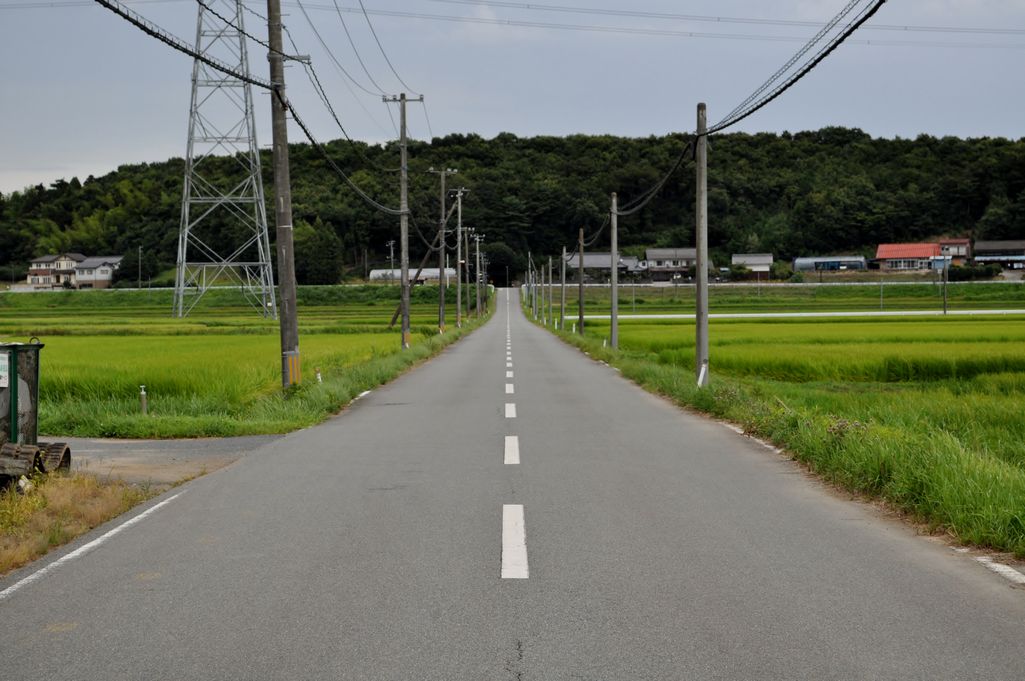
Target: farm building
x,y
1007,253
830,263
601,264
755,262
664,264
908,256
959,251
427,275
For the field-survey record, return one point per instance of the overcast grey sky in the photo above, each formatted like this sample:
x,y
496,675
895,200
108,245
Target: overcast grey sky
x,y
84,91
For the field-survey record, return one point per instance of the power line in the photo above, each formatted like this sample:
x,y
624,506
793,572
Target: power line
x,y
178,44
385,54
633,31
331,54
800,53
320,147
532,6
352,43
751,104
311,75
242,31
826,50
163,36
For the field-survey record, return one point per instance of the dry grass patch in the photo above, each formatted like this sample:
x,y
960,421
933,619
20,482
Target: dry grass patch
x,y
56,511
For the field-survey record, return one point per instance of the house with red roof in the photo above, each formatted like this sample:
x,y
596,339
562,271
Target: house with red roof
x,y
897,257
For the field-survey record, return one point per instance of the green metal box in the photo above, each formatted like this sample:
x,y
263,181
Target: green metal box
x,y
19,392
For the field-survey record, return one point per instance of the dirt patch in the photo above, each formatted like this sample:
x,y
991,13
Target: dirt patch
x,y
159,463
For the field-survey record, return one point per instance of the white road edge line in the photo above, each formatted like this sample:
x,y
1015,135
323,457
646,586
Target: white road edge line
x,y
512,450
1005,571
509,389
82,550
514,543
510,410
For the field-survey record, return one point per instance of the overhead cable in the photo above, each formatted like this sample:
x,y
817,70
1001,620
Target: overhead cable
x,y
352,43
670,16
320,147
311,75
176,43
828,49
331,54
384,54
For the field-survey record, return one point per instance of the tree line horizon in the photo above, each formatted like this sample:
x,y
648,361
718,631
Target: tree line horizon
x,y
831,191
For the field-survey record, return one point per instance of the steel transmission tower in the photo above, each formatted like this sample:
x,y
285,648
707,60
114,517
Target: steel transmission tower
x,y
223,239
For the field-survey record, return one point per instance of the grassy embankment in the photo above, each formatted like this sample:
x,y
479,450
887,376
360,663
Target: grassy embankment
x,y
924,413
217,372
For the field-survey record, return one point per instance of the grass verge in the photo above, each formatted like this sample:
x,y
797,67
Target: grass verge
x,y
932,473
58,509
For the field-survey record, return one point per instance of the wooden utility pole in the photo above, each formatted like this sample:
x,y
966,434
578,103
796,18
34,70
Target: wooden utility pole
x,y
562,297
614,220
291,373
701,227
580,277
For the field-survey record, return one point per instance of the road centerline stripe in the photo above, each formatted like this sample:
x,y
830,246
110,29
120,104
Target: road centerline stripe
x,y
512,450
509,390
508,374
514,543
510,410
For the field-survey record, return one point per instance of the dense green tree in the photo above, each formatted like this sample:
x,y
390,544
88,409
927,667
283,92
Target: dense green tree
x,y
827,191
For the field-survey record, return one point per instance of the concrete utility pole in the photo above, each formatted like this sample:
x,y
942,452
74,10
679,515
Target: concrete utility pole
x,y
701,227
551,318
466,246
562,298
477,238
544,320
580,277
946,270
614,220
442,174
459,257
404,215
391,259
290,361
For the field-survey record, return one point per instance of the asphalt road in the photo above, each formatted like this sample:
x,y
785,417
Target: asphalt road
x,y
386,544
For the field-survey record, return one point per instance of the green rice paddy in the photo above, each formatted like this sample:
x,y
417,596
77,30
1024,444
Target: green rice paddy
x,y
216,372
925,412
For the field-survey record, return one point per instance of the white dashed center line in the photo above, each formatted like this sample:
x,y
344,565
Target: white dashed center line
x,y
509,390
508,374
514,543
510,410
512,450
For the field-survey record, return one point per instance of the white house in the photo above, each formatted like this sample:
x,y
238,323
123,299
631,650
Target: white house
x,y
72,270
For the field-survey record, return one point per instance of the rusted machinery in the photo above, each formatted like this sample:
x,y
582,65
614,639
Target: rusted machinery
x,y
20,452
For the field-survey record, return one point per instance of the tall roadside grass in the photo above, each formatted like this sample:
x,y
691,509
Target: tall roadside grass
x,y
56,511
937,429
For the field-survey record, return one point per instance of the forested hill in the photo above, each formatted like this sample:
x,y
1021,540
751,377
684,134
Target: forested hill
x,y
831,191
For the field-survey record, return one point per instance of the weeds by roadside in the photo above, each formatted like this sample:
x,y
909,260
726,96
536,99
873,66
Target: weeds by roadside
x,y
58,509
